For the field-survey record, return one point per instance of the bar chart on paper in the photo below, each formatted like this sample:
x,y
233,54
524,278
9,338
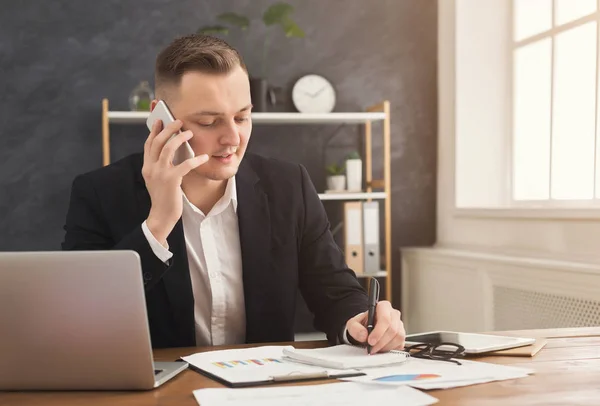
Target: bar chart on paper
x,y
246,363
252,365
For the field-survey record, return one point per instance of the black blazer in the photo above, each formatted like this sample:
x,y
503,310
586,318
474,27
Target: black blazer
x,y
285,241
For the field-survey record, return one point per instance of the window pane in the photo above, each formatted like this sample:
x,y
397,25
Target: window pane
x,y
573,113
531,139
531,17
569,10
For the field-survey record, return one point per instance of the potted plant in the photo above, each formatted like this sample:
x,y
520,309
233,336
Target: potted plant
x,y
336,180
354,172
276,15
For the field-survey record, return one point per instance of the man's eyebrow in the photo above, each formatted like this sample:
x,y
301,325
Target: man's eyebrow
x,y
216,113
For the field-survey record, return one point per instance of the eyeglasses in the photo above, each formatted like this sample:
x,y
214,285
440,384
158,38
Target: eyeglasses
x,y
435,352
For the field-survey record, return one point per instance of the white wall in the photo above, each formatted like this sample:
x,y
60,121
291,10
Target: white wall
x,y
482,105
547,234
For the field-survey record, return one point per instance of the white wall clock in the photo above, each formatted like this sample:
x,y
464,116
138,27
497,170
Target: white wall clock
x,y
313,94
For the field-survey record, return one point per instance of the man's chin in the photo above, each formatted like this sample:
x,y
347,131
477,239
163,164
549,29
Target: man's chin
x,y
217,174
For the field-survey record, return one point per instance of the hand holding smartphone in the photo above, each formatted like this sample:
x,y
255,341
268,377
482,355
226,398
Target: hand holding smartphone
x,y
164,179
162,112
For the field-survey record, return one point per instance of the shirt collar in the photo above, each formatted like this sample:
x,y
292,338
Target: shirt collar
x,y
231,193
230,196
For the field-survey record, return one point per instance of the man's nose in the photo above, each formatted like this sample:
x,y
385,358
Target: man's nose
x,y
230,134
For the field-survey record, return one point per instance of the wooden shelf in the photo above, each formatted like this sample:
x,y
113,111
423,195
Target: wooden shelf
x,y
377,113
128,117
139,117
379,274
353,196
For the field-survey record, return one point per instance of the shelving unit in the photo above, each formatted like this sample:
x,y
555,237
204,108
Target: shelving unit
x,y
376,113
353,196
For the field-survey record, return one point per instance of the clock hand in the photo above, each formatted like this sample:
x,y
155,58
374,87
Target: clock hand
x,y
319,91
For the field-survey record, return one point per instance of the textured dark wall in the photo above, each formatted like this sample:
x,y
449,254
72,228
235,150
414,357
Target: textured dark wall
x,y
59,59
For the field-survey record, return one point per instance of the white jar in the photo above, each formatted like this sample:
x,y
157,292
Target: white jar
x,y
354,175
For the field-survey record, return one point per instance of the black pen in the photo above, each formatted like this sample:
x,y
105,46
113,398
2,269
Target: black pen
x,y
373,298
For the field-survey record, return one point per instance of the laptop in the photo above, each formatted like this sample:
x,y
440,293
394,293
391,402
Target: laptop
x,y
76,320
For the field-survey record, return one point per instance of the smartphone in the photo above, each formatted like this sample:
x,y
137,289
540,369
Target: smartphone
x,y
161,112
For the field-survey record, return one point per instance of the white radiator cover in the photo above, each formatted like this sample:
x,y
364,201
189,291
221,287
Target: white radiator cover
x,y
447,289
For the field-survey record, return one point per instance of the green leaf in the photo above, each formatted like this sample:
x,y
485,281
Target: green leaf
x,y
234,19
213,29
291,29
335,169
277,13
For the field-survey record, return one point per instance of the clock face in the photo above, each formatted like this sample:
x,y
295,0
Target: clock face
x,y
313,94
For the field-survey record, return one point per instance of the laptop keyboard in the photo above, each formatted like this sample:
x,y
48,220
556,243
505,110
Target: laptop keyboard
x,y
157,371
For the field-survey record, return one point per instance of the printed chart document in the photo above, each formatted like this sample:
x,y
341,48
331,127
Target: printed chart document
x,y
332,394
259,365
429,374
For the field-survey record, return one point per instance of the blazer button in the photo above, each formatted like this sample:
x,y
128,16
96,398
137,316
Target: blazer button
x,y
147,276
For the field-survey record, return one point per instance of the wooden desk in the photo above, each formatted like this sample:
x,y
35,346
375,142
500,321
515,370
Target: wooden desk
x,y
567,373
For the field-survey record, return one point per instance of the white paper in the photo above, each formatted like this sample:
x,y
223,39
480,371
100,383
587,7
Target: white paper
x,y
333,394
345,356
429,374
259,364
458,384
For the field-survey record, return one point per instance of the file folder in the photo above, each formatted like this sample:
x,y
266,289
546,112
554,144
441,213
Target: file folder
x,y
371,237
353,226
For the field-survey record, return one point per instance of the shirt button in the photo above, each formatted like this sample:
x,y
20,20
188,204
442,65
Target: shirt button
x,y
147,276
212,275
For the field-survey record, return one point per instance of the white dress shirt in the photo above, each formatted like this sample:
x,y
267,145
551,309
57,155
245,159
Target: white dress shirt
x,y
215,261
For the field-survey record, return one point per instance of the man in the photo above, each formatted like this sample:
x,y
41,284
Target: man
x,y
225,239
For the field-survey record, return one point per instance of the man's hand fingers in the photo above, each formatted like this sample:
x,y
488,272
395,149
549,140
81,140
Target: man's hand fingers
x,y
385,338
393,337
156,128
159,141
396,344
168,151
356,329
382,321
189,164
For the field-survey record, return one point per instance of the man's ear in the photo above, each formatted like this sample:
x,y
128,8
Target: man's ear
x,y
153,104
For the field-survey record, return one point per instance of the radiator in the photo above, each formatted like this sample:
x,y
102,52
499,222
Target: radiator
x,y
446,289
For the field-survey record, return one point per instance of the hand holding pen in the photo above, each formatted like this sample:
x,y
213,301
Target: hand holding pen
x,y
373,299
387,330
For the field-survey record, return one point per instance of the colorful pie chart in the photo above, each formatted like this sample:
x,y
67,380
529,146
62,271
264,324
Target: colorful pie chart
x,y
406,377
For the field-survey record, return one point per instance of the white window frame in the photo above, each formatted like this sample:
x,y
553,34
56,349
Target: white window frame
x,y
589,206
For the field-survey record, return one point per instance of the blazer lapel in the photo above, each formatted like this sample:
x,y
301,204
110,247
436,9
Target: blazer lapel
x,y
255,241
179,286
177,280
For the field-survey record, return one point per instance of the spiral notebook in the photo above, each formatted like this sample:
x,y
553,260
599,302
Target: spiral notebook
x,y
344,357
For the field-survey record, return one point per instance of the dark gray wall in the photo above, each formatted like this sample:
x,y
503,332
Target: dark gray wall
x,y
59,59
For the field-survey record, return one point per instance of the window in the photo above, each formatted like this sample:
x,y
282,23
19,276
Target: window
x,y
555,155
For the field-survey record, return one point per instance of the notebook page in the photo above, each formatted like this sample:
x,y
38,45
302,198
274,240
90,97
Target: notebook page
x,y
345,357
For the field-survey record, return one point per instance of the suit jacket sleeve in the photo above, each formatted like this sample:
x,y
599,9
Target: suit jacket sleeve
x,y
87,229
328,286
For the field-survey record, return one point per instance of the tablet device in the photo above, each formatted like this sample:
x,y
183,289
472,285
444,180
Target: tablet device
x,y
474,343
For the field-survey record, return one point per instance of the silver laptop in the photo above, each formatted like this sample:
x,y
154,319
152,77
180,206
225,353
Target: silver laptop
x,y
76,320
